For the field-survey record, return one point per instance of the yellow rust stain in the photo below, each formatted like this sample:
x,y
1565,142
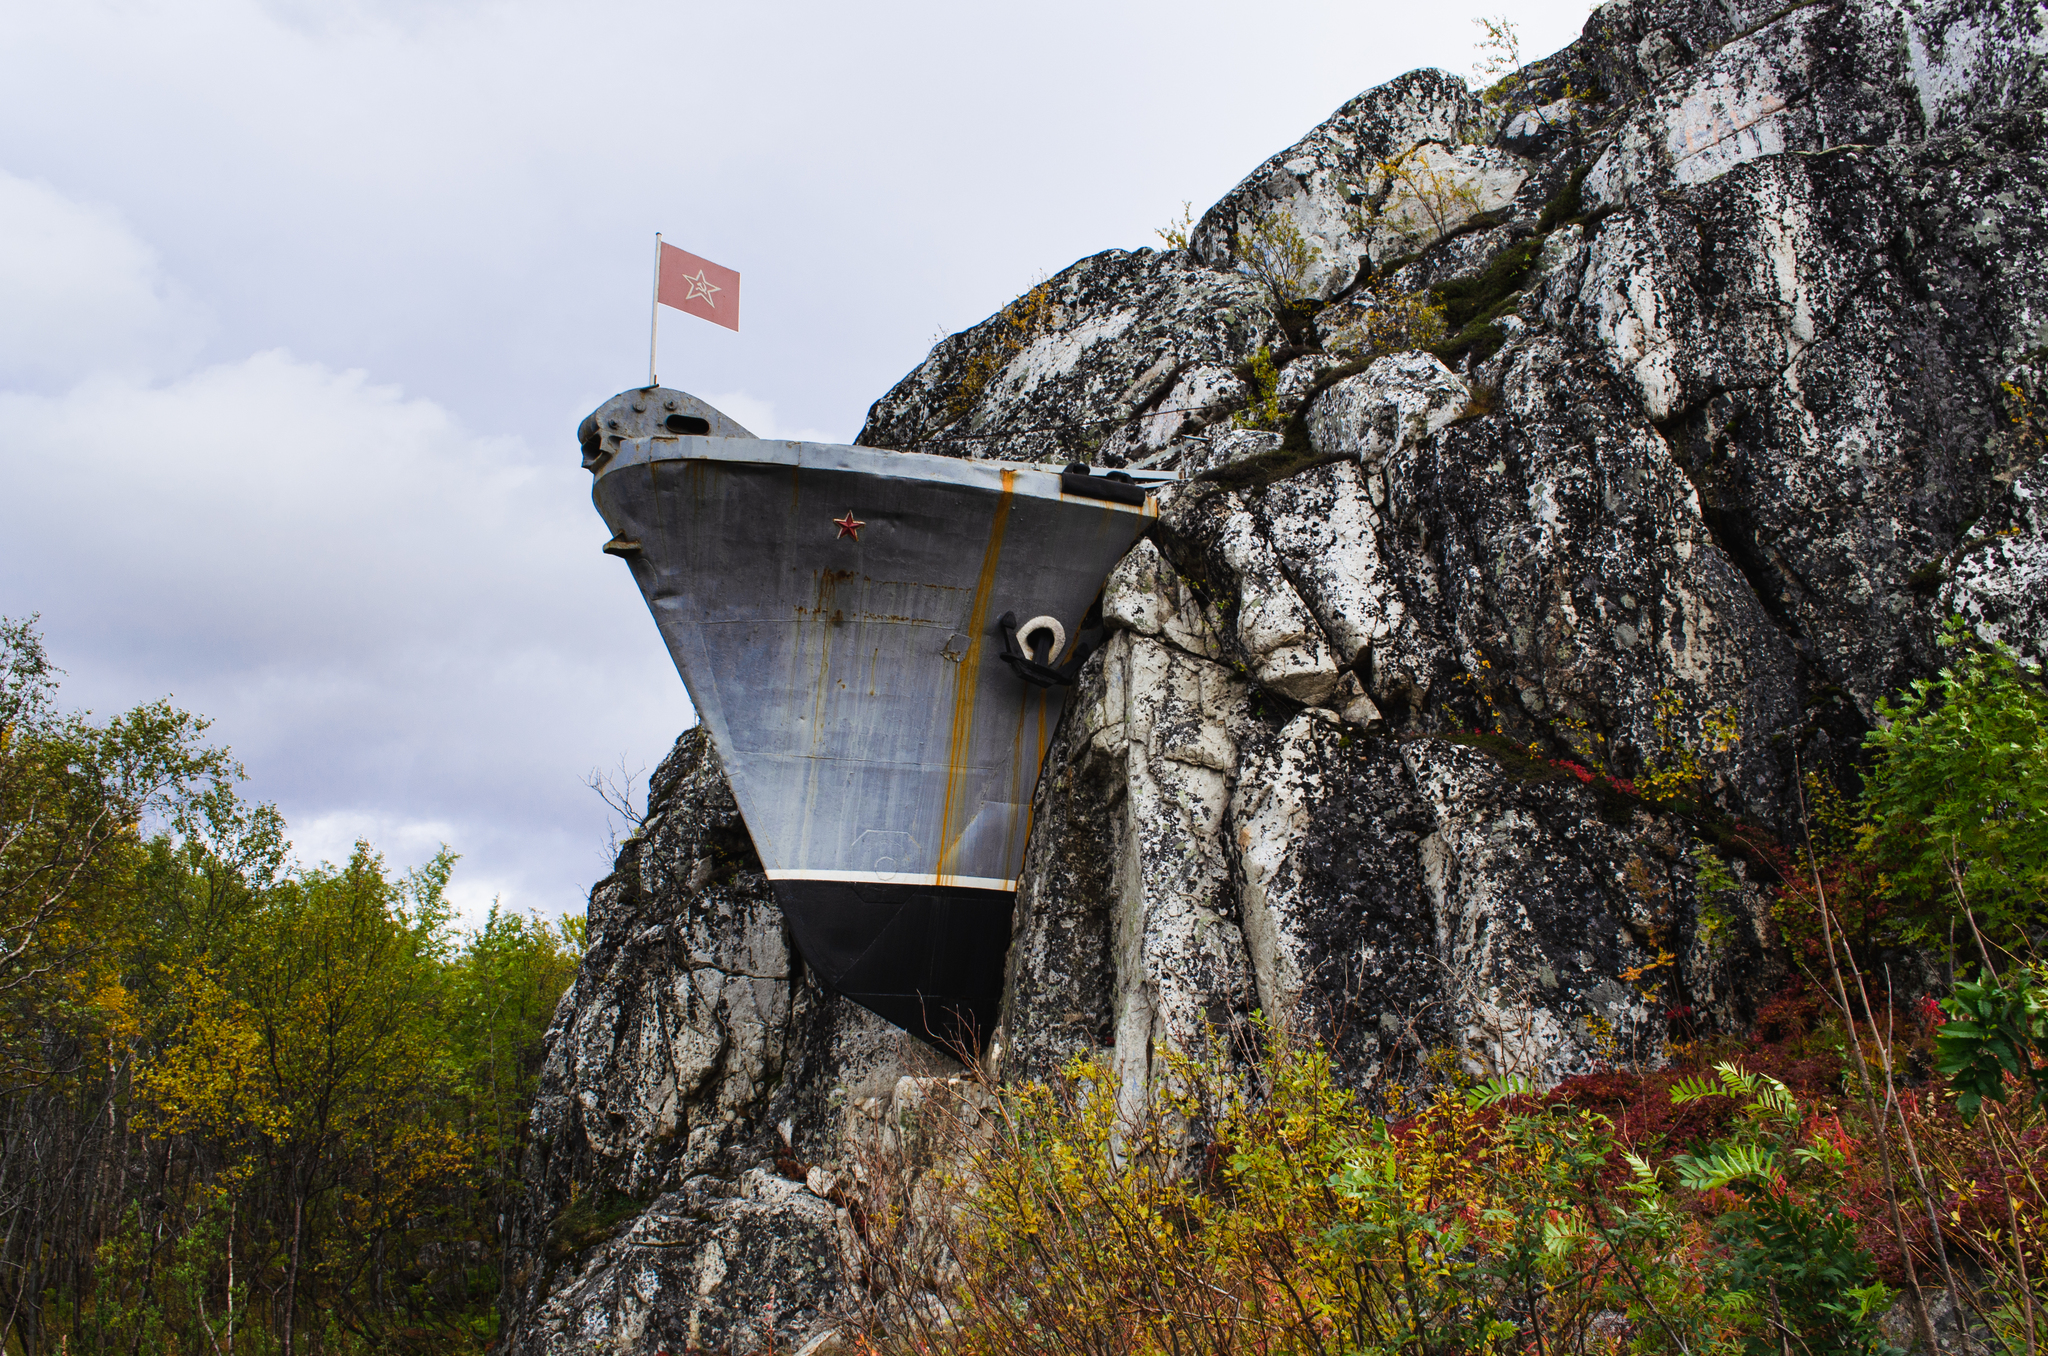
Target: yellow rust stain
x,y
828,586
954,813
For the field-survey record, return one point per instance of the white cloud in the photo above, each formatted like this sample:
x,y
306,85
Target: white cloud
x,y
463,192
80,293
390,597
402,627
759,418
330,838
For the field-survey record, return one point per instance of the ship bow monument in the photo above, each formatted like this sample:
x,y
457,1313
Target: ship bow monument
x,y
880,644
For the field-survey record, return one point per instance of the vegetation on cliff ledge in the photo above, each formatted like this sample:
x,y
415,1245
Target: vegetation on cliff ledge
x,y
1856,1173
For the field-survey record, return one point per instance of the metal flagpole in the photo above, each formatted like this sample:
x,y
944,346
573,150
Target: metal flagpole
x,y
654,315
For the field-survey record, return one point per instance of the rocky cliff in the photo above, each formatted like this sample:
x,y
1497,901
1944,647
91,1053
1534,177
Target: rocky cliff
x,y
1571,468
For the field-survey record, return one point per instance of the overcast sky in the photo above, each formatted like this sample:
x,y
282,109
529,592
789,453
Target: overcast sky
x,y
300,303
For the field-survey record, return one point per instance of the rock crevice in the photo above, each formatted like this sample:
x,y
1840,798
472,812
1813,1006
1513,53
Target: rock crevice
x,y
1421,705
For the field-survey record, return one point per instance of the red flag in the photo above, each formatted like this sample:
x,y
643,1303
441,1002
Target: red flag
x,y
698,287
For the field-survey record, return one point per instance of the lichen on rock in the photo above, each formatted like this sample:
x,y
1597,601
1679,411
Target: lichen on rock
x,y
1419,709
695,1074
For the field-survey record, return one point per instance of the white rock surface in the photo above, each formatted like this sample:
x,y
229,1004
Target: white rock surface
x,y
1397,401
1751,307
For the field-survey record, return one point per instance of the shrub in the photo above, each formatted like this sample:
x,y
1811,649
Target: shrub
x,y
1178,232
1424,203
1397,324
1500,51
1264,411
1996,1032
1011,332
1795,1268
1271,248
1956,806
1260,1206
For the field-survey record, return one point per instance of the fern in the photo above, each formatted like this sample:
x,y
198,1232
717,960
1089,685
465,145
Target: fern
x,y
1767,1096
1725,1164
1735,1082
1563,1235
1772,1098
1499,1089
1643,1182
1694,1090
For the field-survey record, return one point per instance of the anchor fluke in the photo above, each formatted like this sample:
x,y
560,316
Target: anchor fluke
x,y
1035,664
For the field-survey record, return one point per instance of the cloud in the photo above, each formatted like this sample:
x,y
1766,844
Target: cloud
x,y
463,192
219,255
759,418
331,837
401,626
81,293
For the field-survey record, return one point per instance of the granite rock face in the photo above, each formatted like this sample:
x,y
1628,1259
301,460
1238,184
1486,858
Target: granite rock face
x,y
1998,574
1444,670
696,1076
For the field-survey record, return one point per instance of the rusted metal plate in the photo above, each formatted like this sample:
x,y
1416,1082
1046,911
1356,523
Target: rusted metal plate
x,y
832,610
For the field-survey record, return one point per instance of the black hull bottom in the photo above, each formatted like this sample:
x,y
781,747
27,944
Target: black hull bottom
x,y
927,957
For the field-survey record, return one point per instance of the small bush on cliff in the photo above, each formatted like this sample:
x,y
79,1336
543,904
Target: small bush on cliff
x,y
1264,411
1010,333
1956,806
1271,248
1500,52
1424,201
1396,324
1178,232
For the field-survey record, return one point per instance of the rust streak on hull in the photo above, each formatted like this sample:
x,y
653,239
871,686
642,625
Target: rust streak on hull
x,y
953,816
891,821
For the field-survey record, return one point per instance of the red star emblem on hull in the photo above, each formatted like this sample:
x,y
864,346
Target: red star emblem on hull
x,y
849,526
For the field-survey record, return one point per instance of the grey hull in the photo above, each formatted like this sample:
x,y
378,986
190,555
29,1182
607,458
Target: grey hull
x,y
882,755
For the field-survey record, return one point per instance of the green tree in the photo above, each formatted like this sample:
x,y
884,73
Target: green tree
x,y
244,1105
74,797
1956,806
314,1053
77,798
501,994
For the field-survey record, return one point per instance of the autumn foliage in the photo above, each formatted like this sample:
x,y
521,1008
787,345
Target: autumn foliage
x,y
244,1105
1854,1170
